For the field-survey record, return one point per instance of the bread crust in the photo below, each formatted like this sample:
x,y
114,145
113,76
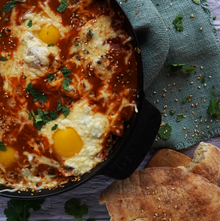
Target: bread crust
x,y
209,166
162,194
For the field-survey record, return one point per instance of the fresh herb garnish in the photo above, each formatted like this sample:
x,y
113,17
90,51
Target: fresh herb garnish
x,y
178,22
197,2
30,23
66,83
54,127
178,67
165,131
87,52
50,77
179,117
50,45
203,79
77,44
0,35
172,112
65,109
6,19
62,7
36,95
214,17
2,147
66,72
99,62
8,55
25,77
74,208
90,32
18,210
213,108
185,99
212,91
3,58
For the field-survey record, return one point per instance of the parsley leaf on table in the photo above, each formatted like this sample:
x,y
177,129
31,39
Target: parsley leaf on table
x,y
203,79
62,7
36,95
66,83
165,131
18,210
179,117
178,67
197,2
66,72
30,23
178,22
185,99
2,147
212,91
213,108
73,208
50,45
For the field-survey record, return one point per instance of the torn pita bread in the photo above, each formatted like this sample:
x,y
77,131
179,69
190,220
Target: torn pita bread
x,y
206,162
162,193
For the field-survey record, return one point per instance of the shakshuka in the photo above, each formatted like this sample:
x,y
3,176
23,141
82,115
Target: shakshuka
x,y
68,83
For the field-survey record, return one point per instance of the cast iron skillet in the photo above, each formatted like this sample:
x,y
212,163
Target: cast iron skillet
x,y
130,150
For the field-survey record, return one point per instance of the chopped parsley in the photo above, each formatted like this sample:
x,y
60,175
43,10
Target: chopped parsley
x,y
90,32
65,110
165,131
8,7
0,35
74,208
3,59
213,108
214,17
6,19
87,52
36,95
2,147
178,22
99,62
66,83
50,45
25,77
19,209
179,67
62,7
8,55
203,79
185,100
77,44
29,24
54,127
66,72
197,2
179,117
172,112
50,77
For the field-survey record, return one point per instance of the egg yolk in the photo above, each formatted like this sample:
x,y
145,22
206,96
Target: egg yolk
x,y
49,34
7,157
67,142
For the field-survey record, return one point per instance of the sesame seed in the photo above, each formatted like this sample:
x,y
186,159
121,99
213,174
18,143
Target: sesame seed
x,y
192,16
176,100
207,127
199,87
191,82
201,67
210,76
184,128
200,29
171,4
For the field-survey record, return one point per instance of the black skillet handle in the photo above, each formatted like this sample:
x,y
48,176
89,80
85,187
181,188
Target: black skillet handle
x,y
137,146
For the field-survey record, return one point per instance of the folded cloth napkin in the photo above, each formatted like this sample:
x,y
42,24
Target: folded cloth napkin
x,y
197,45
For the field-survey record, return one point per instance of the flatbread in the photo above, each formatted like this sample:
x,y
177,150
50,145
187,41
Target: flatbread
x,y
206,162
164,193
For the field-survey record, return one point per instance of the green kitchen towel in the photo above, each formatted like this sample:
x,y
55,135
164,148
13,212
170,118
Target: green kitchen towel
x,y
186,95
